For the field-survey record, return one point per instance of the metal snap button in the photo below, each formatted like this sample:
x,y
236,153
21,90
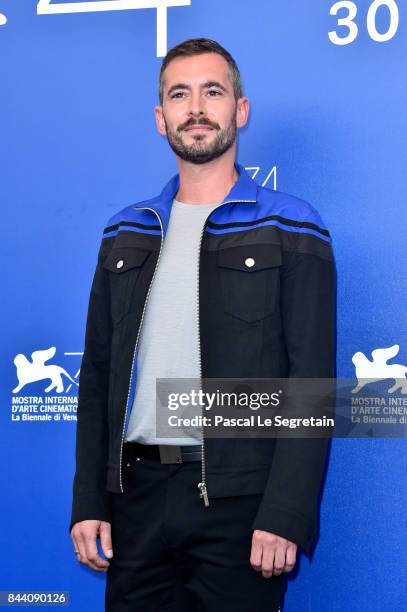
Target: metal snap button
x,y
249,262
120,263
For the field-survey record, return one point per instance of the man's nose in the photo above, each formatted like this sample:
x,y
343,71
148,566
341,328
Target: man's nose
x,y
197,104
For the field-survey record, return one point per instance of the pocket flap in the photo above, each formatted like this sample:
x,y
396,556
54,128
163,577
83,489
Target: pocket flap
x,y
124,258
250,258
231,482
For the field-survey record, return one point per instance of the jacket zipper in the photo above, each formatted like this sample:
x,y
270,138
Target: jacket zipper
x,y
203,491
138,335
202,485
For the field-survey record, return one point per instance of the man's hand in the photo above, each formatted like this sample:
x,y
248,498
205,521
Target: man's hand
x,y
272,554
84,534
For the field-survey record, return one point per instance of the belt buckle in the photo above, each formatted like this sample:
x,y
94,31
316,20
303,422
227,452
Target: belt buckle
x,y
169,453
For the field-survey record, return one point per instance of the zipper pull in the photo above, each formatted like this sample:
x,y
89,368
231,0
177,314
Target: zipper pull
x,y
203,493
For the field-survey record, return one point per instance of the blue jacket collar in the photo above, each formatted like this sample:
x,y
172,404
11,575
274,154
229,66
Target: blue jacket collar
x,y
245,188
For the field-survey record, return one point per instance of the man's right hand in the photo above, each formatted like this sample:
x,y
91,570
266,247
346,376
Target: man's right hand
x,y
84,534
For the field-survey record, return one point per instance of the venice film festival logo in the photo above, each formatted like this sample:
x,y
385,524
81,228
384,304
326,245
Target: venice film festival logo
x,y
376,407
59,399
59,7
378,369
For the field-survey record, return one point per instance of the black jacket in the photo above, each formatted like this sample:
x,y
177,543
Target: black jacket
x,y
273,319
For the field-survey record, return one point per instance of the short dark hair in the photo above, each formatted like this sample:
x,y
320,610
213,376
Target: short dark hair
x,y
197,46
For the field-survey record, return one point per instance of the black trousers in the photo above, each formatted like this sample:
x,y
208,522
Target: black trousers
x,y
173,554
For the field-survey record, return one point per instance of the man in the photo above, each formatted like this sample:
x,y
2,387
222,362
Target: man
x,y
215,277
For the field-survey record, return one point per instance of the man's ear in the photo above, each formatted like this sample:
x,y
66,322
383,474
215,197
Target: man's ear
x,y
159,119
242,111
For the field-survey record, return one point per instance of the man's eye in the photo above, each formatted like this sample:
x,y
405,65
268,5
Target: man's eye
x,y
210,91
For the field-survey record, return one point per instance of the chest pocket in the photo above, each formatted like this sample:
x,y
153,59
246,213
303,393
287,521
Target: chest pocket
x,y
250,280
124,265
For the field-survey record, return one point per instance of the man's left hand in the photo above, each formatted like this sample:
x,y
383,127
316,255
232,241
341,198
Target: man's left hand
x,y
272,554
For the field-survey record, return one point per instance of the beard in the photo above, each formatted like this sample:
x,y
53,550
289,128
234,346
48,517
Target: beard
x,y
200,151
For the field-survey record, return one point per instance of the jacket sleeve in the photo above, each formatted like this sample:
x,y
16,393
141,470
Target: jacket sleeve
x,y
90,499
289,507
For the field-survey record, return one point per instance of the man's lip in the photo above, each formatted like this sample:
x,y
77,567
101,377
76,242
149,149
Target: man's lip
x,y
198,127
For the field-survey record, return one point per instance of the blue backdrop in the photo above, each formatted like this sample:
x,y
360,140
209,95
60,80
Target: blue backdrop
x,y
327,85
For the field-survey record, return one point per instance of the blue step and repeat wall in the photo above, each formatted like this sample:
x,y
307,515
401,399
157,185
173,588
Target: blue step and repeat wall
x,y
327,85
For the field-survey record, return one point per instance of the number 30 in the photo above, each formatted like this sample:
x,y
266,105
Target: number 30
x,y
371,21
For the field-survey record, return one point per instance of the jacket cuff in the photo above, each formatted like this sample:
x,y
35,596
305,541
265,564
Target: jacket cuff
x,y
286,524
91,505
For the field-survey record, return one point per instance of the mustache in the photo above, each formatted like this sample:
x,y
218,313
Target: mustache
x,y
190,123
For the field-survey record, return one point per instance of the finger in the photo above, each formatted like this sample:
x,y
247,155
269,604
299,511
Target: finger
x,y
256,554
267,562
106,539
290,558
92,554
80,546
75,547
279,560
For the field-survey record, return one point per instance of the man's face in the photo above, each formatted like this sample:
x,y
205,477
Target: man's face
x,y
199,114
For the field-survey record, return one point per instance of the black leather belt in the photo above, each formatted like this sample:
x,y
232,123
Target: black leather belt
x,y
162,452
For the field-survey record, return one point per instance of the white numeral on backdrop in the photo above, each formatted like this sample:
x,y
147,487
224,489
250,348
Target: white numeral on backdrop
x,y
394,20
349,23
47,7
273,173
345,21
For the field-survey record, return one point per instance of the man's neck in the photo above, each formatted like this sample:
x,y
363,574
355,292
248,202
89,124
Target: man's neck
x,y
202,183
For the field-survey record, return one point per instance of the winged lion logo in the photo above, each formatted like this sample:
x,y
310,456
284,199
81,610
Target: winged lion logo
x,y
378,369
37,369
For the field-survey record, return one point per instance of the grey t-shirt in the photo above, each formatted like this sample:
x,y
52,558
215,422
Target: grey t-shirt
x,y
168,343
